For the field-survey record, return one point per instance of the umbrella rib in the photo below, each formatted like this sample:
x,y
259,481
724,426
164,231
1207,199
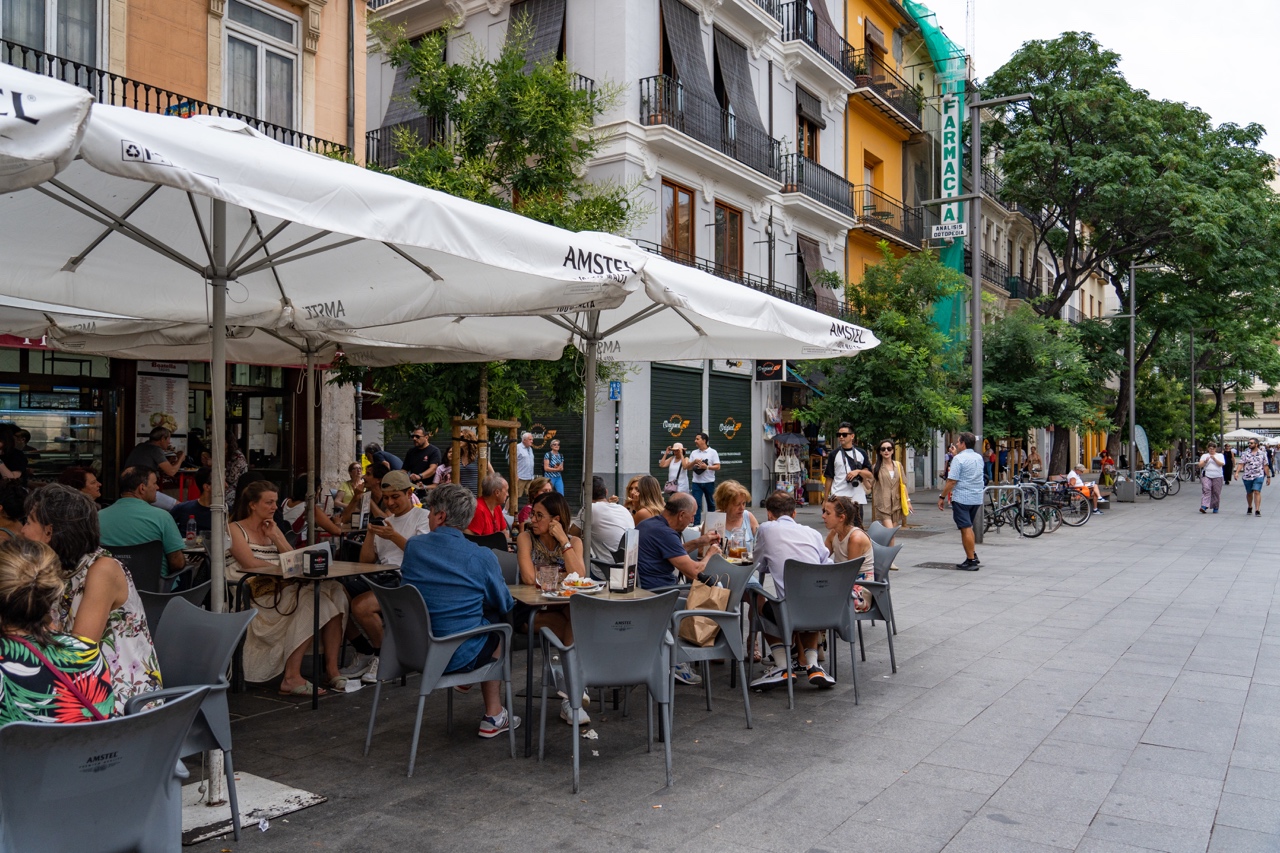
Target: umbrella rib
x,y
701,332
636,318
115,223
435,276
275,274
279,261
204,236
570,327
74,264
275,232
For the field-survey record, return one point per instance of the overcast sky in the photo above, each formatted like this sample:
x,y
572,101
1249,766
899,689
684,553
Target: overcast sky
x,y
1218,56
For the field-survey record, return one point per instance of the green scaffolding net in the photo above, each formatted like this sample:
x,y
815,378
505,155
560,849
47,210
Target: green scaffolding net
x,y
950,64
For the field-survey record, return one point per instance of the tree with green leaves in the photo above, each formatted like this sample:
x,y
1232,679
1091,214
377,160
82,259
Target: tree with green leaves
x,y
901,388
1034,374
513,135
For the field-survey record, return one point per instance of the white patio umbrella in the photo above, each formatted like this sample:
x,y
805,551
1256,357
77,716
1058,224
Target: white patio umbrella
x,y
205,223
1243,435
41,122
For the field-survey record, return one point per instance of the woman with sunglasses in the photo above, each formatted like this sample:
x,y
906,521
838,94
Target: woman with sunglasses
x,y
887,505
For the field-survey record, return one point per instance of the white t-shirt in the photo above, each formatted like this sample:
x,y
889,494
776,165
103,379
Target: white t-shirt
x,y
1074,479
709,457
855,491
413,522
676,474
608,523
1213,465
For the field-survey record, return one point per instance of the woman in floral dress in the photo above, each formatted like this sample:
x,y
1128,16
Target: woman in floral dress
x,y
100,603
30,690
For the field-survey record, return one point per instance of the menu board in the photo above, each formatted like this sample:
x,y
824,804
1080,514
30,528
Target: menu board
x,y
162,399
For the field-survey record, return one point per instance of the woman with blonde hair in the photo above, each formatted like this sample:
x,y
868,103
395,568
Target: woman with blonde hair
x,y
46,675
649,499
731,498
100,602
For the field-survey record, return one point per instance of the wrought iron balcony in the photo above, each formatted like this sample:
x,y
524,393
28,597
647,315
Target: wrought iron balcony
x,y
380,144
1022,288
870,74
799,23
117,91
825,303
800,174
1072,315
993,187
996,272
773,7
878,212
663,100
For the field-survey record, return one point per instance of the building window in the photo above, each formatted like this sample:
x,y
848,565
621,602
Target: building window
x,y
809,122
65,28
262,63
728,239
677,222
1270,408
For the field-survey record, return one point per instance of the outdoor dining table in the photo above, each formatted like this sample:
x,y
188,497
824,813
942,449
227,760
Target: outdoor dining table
x,y
531,595
337,569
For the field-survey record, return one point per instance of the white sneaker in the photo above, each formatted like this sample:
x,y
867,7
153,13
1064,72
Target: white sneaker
x,y
566,711
685,675
371,674
359,666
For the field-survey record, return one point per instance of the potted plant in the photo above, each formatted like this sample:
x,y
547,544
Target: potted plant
x,y
860,76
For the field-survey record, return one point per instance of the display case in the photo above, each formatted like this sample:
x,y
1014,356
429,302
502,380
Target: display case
x,y
63,433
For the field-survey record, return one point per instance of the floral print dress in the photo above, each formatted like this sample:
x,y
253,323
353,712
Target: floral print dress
x,y
30,693
126,642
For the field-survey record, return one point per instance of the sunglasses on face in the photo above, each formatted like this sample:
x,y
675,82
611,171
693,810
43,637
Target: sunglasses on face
x,y
886,450
844,435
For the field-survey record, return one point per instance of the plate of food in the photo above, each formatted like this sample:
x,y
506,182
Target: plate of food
x,y
581,584
562,594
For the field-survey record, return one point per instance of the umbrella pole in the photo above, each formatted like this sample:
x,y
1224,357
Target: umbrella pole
x,y
216,785
311,448
589,439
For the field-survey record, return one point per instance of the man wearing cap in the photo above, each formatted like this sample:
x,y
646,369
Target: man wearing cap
x,y
383,544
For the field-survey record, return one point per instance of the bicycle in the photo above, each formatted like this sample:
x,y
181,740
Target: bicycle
x,y
1001,509
1151,482
1187,471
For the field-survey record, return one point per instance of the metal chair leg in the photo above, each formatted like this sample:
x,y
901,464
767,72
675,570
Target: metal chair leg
x,y
746,694
231,793
706,682
373,713
417,730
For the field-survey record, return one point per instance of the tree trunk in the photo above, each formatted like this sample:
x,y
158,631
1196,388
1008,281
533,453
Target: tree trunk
x,y
1060,453
482,426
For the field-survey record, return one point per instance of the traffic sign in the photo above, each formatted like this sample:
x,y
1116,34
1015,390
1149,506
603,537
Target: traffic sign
x,y
950,231
615,390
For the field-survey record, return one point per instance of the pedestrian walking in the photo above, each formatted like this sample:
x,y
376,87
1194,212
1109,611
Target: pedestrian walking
x,y
1228,470
964,487
675,463
1253,473
553,466
848,470
524,464
1211,466
704,462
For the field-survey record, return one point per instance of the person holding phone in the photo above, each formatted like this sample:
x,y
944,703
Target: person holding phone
x,y
674,461
1212,464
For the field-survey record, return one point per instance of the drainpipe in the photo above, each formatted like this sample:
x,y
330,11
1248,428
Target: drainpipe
x,y
351,78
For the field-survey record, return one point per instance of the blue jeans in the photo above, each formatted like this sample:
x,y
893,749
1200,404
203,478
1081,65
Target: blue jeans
x,y
557,482
698,490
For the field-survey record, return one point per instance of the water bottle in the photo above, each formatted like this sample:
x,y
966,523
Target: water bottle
x,y
191,528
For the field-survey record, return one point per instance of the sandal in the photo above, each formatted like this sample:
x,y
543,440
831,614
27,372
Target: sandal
x,y
338,684
306,688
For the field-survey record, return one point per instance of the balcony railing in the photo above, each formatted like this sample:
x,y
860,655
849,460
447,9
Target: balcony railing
x,y
868,70
825,303
800,174
380,144
993,187
663,100
374,5
117,91
1022,288
799,23
875,210
1073,315
996,272
773,7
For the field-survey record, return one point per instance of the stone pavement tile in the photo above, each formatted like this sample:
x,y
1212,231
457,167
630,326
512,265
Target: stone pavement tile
x,y
1174,787
792,817
1168,729
1159,810
955,777
904,726
1253,783
1035,650
971,839
1223,665
922,809
983,757
1100,731
1050,790
1230,839
1120,707
1263,699
1069,681
1002,670
1093,662
1252,813
1186,762
930,668
1231,689
857,835
1082,756
1147,665
1142,834
1001,820
997,732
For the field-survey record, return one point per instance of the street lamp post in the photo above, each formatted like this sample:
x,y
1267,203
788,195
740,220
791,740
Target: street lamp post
x,y
1133,360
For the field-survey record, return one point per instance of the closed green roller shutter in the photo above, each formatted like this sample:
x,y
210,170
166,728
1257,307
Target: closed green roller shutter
x,y
675,411
731,426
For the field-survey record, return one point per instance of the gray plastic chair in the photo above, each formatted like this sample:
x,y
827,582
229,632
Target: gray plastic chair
x,y
122,774
615,643
194,648
408,645
881,609
816,599
728,644
147,566
510,565
880,534
154,603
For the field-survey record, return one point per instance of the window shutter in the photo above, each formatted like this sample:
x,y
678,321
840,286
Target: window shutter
x,y
545,19
875,35
402,107
822,13
809,108
700,109
736,73
812,256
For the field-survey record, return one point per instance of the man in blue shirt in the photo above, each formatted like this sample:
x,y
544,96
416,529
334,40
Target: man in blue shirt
x,y
460,581
964,486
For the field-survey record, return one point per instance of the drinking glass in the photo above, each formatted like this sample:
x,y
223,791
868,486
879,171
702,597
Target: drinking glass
x,y
548,578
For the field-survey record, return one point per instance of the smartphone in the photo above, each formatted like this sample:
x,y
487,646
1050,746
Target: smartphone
x,y
377,520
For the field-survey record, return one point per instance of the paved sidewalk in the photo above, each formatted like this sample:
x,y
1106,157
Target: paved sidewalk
x,y
1107,689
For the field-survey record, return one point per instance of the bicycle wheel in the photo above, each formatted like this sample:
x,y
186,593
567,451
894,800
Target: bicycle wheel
x,y
1158,488
1075,510
1007,516
1030,523
1173,484
1052,518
